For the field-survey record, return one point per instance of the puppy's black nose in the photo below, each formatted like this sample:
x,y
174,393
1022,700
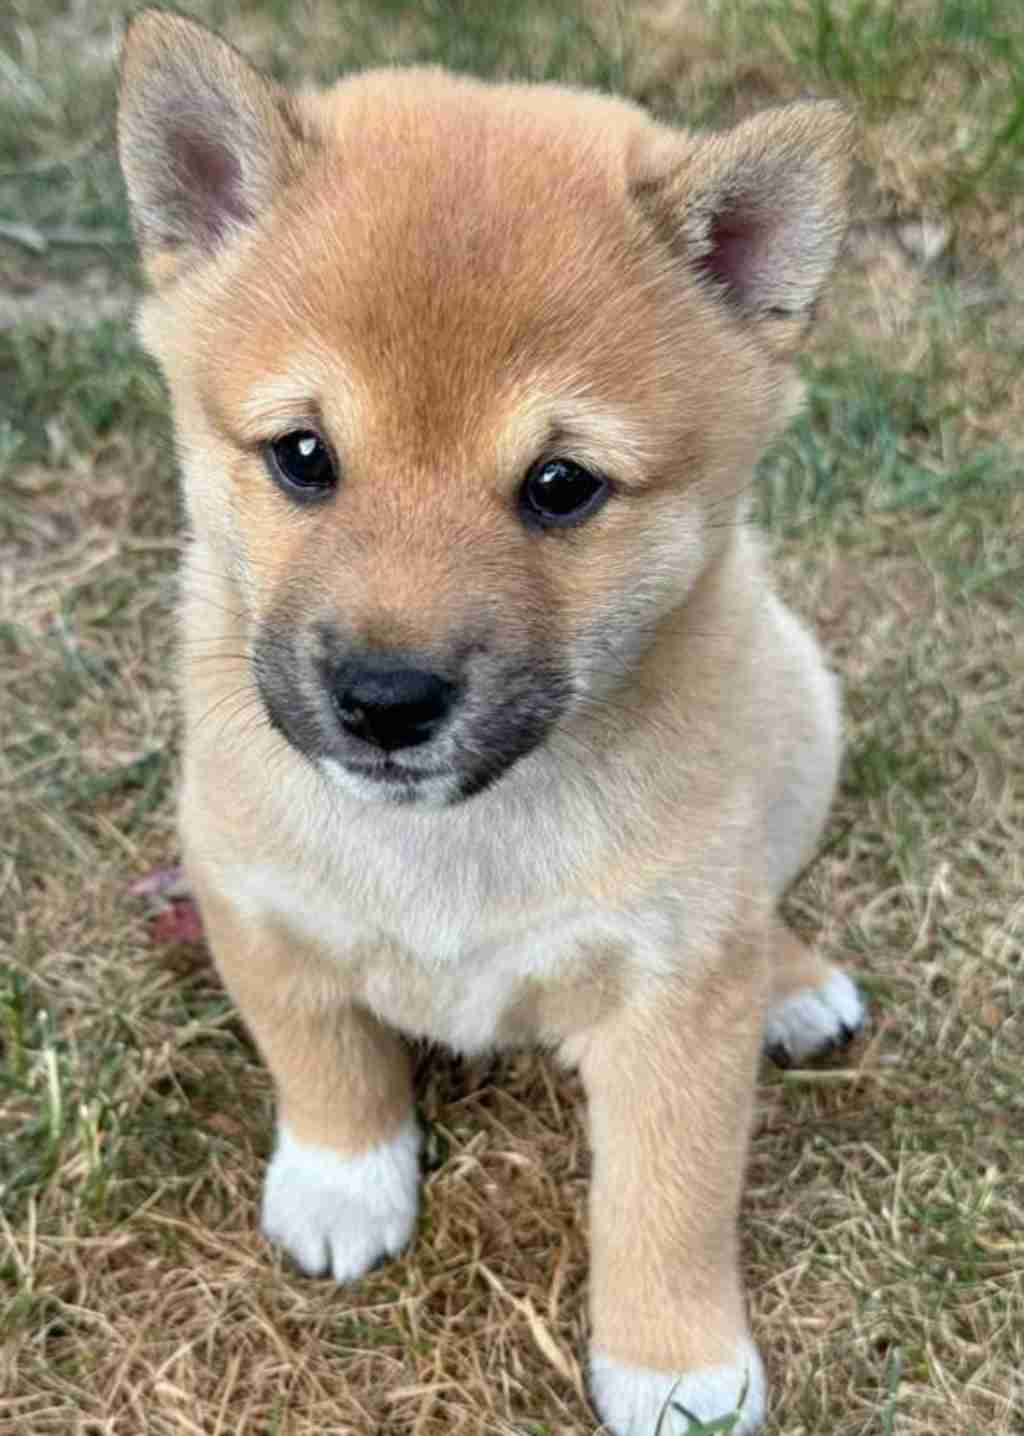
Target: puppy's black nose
x,y
387,704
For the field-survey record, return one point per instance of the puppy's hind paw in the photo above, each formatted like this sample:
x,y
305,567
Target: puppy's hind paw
x,y
638,1401
342,1214
814,1021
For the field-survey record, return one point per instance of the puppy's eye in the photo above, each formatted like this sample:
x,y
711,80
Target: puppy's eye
x,y
557,493
301,463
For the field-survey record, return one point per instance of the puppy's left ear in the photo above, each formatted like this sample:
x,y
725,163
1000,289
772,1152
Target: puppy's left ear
x,y
757,212
206,142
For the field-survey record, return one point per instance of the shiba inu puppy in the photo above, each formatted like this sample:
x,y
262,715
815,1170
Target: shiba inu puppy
x,y
495,732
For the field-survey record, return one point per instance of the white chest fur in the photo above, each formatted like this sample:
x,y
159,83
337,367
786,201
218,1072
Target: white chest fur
x,y
447,971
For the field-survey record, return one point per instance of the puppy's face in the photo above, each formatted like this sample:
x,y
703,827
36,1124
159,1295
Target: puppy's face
x,y
467,382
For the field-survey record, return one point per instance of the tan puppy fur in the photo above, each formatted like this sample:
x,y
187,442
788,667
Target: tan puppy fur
x,y
495,731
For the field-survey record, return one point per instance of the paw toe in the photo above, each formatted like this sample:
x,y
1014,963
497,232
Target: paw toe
x,y
815,1021
342,1214
639,1401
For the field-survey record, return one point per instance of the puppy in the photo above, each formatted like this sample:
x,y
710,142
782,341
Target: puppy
x,y
495,731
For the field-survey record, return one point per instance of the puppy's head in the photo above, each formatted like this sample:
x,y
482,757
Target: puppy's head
x,y
468,380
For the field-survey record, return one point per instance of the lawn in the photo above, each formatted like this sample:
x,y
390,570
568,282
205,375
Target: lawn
x,y
883,1226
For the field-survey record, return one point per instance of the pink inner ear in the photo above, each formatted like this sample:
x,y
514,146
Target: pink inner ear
x,y
740,247
211,176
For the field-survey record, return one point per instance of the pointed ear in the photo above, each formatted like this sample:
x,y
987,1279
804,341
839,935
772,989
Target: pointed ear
x,y
759,212
205,141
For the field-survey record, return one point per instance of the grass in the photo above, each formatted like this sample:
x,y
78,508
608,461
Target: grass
x,y
884,1210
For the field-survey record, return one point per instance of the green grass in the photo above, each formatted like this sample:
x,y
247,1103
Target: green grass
x,y
882,1222
882,54
877,441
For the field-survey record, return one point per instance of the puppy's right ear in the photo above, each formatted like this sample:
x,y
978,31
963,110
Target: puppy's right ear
x,y
205,141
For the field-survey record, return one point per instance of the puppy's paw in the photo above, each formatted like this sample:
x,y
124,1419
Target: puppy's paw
x,y
342,1214
632,1400
814,1020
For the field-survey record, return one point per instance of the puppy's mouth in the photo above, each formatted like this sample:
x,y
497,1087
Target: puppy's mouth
x,y
388,781
388,770
392,782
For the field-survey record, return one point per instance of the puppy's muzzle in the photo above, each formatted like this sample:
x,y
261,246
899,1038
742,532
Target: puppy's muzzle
x,y
388,704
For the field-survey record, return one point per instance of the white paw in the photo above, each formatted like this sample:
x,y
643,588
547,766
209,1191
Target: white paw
x,y
632,1400
342,1214
814,1020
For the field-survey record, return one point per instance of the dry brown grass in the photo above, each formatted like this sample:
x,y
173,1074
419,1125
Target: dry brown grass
x,y
885,1206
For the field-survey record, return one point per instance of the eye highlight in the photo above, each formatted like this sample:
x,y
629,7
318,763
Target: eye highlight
x,y
558,493
301,464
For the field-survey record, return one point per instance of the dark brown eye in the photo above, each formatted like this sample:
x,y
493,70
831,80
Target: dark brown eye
x,y
301,464
558,492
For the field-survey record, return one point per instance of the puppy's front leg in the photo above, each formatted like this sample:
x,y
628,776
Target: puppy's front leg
x,y
342,1186
670,1083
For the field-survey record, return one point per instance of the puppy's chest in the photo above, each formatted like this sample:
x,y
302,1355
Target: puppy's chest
x,y
507,994
443,969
